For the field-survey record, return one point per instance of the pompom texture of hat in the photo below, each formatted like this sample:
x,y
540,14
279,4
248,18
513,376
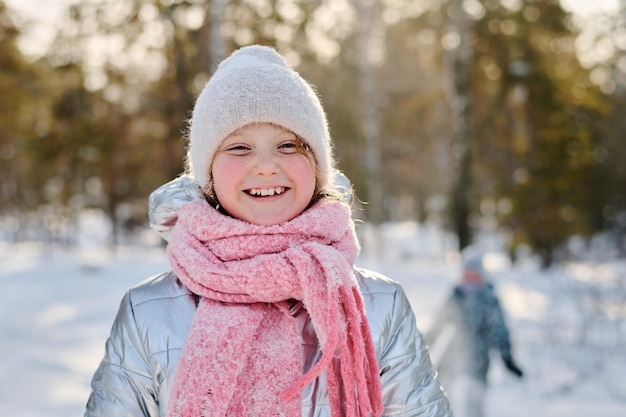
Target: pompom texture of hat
x,y
255,85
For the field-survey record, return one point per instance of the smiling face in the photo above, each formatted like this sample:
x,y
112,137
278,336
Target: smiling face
x,y
263,174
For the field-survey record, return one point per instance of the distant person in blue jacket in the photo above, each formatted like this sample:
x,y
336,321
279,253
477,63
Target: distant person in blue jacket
x,y
470,325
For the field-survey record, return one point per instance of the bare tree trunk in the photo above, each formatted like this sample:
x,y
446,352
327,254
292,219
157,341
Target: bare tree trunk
x,y
462,125
368,11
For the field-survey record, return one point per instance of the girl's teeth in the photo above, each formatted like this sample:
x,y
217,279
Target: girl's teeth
x,y
266,191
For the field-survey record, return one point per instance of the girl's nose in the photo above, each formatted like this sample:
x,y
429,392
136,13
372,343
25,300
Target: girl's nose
x,y
266,164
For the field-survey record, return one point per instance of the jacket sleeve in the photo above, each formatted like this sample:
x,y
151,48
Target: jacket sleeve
x,y
122,385
409,380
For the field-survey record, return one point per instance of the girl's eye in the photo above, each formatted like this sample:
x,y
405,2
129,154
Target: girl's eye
x,y
288,147
238,149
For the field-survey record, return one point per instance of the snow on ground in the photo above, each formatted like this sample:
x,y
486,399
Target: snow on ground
x,y
567,324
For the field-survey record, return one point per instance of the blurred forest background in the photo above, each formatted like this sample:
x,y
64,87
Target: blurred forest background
x,y
478,115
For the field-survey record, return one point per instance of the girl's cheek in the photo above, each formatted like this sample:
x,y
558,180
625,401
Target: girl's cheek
x,y
228,166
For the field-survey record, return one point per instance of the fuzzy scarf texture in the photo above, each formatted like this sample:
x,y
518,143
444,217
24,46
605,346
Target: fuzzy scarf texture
x,y
242,356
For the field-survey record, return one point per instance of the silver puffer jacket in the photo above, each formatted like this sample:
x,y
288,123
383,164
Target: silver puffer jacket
x,y
135,377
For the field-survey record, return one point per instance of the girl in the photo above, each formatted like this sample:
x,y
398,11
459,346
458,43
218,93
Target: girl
x,y
263,313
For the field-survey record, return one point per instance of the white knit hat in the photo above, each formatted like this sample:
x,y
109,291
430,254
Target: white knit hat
x,y
255,85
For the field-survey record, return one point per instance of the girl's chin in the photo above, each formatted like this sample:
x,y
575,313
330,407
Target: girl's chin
x,y
268,219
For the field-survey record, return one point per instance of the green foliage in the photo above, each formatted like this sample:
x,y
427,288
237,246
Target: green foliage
x,y
539,116
20,106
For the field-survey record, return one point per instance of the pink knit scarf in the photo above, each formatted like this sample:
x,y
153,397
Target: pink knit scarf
x,y
242,354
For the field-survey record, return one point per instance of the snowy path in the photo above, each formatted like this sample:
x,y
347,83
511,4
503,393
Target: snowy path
x,y
56,309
